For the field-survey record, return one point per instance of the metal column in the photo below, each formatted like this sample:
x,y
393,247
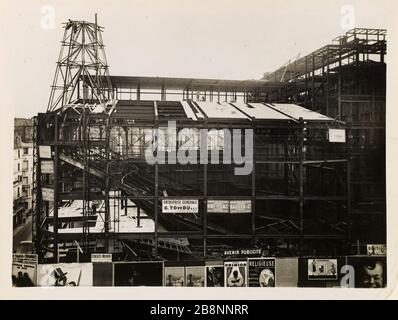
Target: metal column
x,y
107,187
301,183
55,230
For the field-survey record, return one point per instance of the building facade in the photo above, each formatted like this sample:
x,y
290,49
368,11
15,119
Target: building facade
x,y
23,168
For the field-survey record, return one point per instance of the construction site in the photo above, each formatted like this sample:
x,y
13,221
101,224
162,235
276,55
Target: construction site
x,y
316,185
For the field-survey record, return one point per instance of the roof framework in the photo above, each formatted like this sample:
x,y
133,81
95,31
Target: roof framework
x,y
354,42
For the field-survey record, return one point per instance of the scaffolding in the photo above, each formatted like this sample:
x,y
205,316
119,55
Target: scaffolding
x,y
82,70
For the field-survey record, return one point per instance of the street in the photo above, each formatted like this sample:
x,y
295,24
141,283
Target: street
x,y
22,233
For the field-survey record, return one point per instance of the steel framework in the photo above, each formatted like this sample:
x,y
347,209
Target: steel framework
x,y
82,70
99,158
299,192
346,80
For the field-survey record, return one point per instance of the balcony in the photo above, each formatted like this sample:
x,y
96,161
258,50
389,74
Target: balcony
x,y
18,210
18,200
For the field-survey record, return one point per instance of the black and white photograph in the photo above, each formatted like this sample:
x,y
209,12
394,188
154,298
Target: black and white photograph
x,y
200,144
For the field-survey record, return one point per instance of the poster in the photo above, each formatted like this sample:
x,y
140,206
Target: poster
x,y
287,272
147,274
102,274
47,194
322,269
215,276
337,135
174,276
45,152
217,206
25,258
376,249
101,257
195,276
23,274
370,272
235,273
180,206
261,272
47,167
240,206
65,275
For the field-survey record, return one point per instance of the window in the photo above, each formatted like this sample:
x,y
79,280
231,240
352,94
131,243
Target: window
x,y
18,193
25,150
19,154
19,165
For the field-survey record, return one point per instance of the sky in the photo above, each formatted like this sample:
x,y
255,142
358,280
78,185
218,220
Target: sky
x,y
177,38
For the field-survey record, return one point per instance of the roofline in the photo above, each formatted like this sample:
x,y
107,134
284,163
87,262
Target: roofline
x,y
176,83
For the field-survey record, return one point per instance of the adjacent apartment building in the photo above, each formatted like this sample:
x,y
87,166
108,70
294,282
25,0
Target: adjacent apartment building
x,y
23,167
